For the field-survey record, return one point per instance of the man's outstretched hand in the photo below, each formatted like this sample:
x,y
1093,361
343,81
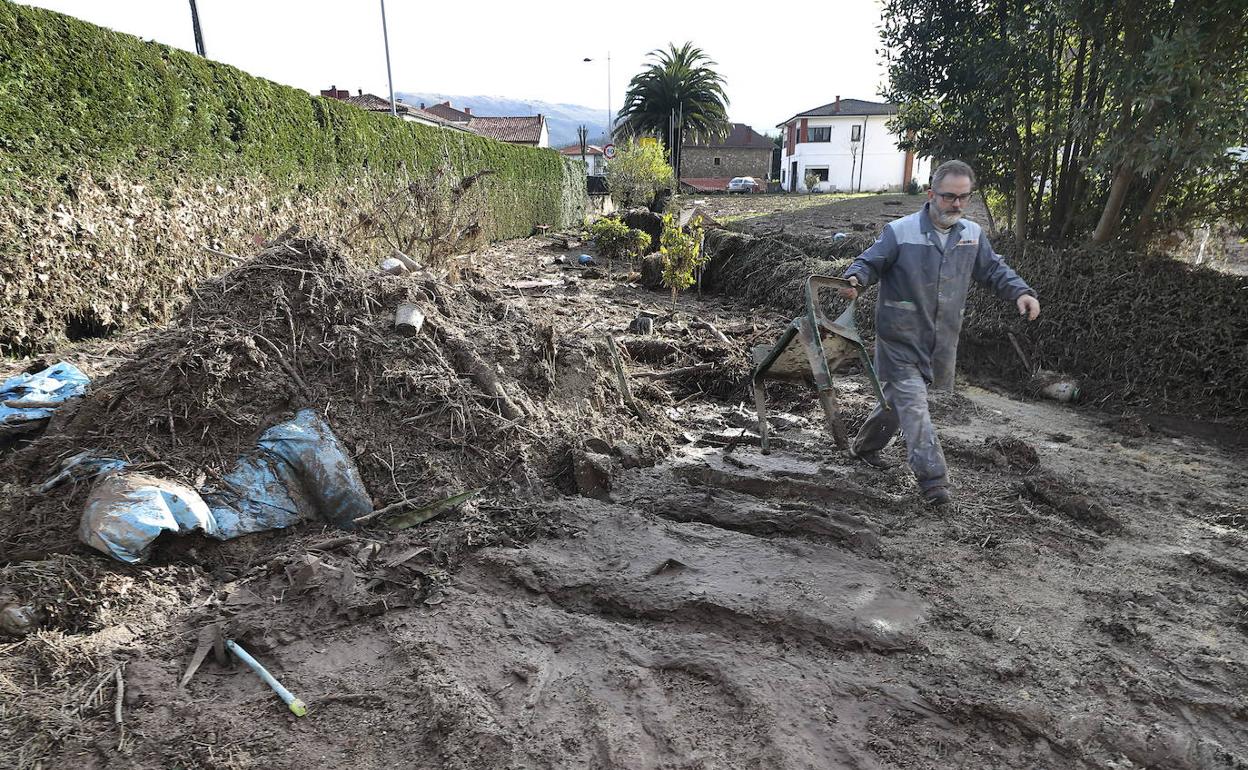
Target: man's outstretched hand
x,y
850,293
1028,306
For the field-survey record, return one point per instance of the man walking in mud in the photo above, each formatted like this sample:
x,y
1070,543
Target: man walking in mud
x,y
924,264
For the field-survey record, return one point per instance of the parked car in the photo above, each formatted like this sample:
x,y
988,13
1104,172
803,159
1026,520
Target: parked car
x,y
743,184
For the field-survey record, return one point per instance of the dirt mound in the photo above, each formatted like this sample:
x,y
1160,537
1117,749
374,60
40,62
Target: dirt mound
x,y
481,397
771,271
1114,320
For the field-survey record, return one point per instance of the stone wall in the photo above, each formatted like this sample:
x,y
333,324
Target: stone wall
x,y
699,162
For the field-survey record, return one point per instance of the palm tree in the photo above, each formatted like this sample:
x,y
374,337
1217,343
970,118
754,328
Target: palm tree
x,y
676,94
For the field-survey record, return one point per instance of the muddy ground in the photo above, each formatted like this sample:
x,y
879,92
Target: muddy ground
x,y
1083,605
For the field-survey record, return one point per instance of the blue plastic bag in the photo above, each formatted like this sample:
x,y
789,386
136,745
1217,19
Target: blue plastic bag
x,y
43,392
297,472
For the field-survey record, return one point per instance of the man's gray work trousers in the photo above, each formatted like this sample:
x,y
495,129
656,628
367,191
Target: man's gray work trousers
x,y
908,398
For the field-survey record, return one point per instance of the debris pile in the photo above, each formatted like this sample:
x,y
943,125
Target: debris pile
x,y
1140,331
771,271
480,396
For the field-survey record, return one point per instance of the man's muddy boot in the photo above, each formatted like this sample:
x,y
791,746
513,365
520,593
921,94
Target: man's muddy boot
x,y
937,496
874,459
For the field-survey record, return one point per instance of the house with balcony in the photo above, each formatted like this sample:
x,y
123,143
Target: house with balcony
x,y
847,146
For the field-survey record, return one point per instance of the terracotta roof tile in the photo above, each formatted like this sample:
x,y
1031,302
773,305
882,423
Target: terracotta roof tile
x,y
374,103
504,129
447,112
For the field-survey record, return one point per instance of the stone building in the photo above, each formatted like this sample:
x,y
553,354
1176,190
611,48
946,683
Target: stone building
x,y
744,152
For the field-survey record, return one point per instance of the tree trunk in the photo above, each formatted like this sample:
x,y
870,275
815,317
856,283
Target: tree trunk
x,y
1022,195
1063,179
1144,225
1111,215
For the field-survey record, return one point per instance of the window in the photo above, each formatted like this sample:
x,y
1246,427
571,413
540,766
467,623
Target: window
x,y
855,133
822,173
717,161
819,134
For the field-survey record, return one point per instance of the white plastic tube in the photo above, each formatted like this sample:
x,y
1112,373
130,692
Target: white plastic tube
x,y
296,706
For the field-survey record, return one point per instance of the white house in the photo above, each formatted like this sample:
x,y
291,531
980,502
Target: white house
x,y
595,161
848,146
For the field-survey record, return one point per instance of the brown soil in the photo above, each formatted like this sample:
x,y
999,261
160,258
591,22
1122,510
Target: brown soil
x,y
1081,606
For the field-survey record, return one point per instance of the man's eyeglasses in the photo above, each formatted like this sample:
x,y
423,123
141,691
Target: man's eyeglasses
x,y
951,197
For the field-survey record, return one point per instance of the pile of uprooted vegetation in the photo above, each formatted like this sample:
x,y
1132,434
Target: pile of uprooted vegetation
x,y
772,270
1137,331
482,396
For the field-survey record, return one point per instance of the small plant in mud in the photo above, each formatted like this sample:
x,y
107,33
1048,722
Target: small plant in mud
x,y
681,253
617,240
812,182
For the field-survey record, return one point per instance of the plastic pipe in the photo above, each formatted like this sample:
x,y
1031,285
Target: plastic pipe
x,y
296,706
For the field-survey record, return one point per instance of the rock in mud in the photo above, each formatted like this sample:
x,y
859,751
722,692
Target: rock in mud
x,y
18,619
592,472
632,456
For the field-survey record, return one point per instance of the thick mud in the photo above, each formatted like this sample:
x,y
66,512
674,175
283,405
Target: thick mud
x,y
1082,605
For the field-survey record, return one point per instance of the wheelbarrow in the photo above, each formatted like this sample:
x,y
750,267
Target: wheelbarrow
x,y
811,349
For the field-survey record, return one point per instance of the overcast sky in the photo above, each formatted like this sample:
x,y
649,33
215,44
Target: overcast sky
x,y
778,59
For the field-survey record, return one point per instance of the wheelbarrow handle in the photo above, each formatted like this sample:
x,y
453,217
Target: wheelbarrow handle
x,y
817,282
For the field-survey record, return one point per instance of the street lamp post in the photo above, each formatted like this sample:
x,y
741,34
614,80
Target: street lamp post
x,y
610,117
394,112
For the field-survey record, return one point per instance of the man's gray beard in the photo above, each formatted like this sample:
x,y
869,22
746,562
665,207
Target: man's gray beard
x,y
945,221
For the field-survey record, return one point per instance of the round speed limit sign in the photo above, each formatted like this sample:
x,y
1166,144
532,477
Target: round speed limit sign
x,y
609,151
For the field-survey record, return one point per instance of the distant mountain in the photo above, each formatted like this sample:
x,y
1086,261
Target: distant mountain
x,y
562,120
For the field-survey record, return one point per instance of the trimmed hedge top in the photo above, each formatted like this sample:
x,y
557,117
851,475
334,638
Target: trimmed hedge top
x,y
74,95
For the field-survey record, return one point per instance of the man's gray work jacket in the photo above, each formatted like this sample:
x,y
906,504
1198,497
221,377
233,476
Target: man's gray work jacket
x,y
923,286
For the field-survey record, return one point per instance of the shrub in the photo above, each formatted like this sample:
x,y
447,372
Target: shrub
x,y
681,252
913,188
637,173
812,182
616,239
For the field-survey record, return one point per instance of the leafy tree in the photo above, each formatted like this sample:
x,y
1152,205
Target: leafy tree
x,y
677,93
812,181
681,253
1088,116
636,173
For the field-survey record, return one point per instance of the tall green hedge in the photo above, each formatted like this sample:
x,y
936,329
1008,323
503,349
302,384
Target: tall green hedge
x,y
78,99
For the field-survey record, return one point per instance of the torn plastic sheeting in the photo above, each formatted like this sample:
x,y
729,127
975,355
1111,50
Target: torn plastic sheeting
x,y
127,512
81,467
297,472
26,398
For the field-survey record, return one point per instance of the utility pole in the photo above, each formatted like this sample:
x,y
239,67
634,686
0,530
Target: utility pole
x,y
199,33
394,111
